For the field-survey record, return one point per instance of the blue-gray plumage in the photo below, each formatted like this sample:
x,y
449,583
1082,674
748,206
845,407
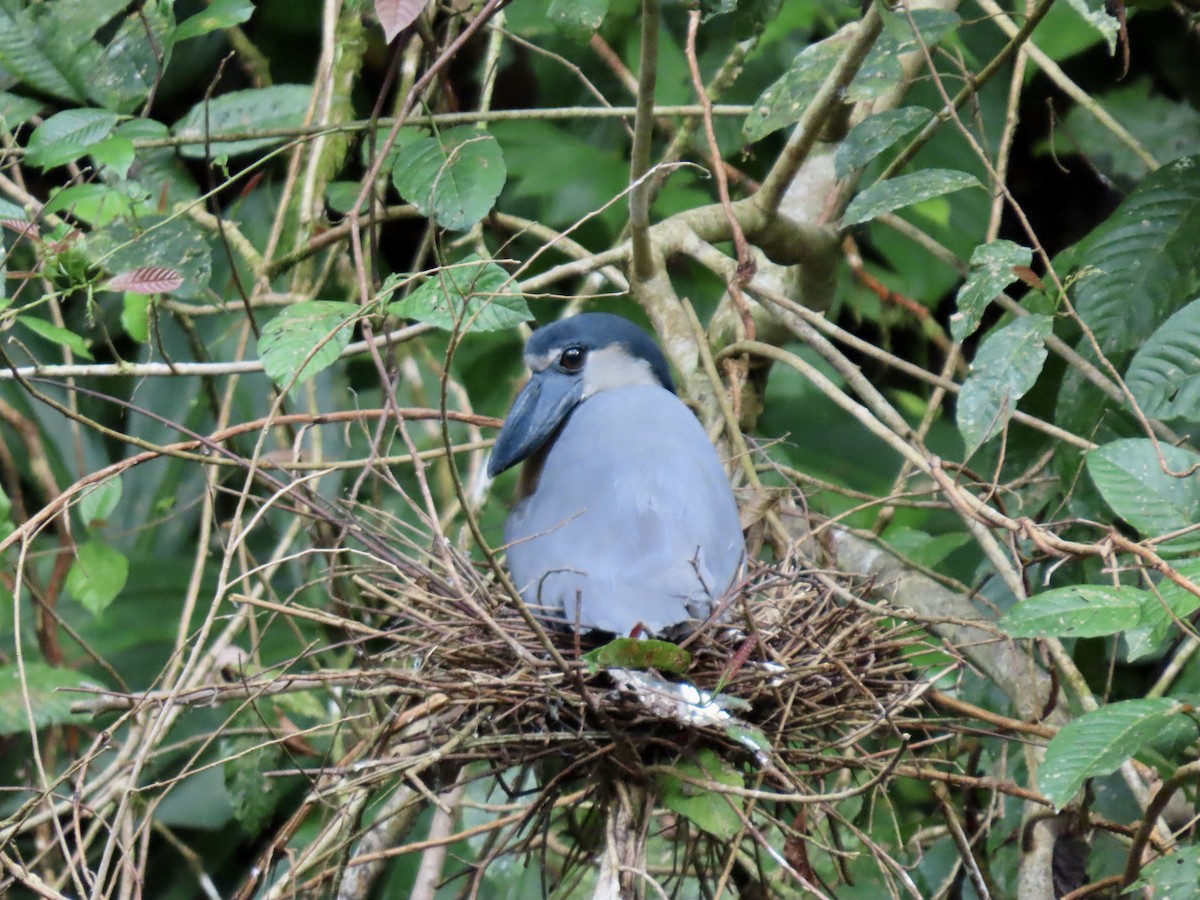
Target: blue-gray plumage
x,y
627,517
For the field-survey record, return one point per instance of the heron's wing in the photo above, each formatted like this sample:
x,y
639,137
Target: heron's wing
x,y
633,519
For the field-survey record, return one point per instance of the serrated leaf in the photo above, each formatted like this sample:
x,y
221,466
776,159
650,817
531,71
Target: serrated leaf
x,y
991,272
219,14
1132,481
61,336
278,106
97,576
905,190
305,339
146,280
1006,366
453,177
631,653
1143,263
48,703
474,295
68,135
577,19
709,810
1099,742
98,502
876,133
396,15
1082,610
1164,376
1159,614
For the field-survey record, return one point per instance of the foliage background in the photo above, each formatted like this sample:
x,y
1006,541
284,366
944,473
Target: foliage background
x,y
971,337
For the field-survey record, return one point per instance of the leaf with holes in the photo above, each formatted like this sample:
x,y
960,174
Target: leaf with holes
x,y
1006,366
473,295
146,280
1082,610
876,133
97,576
1143,263
1154,500
992,270
453,177
906,190
631,653
396,15
1099,742
710,810
1164,376
304,339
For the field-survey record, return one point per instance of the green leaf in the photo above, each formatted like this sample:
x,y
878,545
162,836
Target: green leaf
x,y
882,71
304,339
174,243
34,56
1099,742
1143,263
56,334
784,102
1132,481
631,653
1164,376
991,272
474,295
577,19
1171,877
247,756
1082,610
710,811
97,576
1095,13
1006,366
68,135
48,704
1159,614
453,177
905,190
115,153
98,502
219,14
876,133
16,110
135,316
94,202
279,106
121,74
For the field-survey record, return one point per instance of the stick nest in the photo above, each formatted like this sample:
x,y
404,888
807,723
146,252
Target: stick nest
x,y
791,672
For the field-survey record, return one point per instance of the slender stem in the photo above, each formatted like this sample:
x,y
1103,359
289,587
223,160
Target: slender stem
x,y
643,131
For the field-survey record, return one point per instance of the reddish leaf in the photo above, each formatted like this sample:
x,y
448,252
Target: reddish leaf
x,y
1028,276
146,280
396,15
22,227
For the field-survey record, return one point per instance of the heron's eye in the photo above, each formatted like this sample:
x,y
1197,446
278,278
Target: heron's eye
x,y
572,359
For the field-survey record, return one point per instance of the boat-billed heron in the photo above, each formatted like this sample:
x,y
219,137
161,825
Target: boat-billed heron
x,y
625,516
